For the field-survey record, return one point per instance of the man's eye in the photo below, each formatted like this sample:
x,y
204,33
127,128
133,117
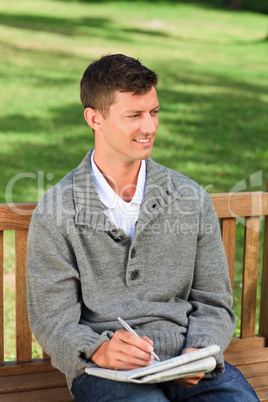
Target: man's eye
x,y
133,116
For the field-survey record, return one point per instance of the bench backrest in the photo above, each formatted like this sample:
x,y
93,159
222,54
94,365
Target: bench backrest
x,y
229,207
248,208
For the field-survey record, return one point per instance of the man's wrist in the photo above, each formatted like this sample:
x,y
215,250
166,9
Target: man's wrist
x,y
98,356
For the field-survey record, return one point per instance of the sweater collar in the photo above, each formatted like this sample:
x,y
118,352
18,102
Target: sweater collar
x,y
89,211
107,195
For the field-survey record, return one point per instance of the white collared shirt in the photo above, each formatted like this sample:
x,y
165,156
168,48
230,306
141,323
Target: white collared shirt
x,y
123,214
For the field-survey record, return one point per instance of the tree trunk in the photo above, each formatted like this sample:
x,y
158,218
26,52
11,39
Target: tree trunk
x,y
234,4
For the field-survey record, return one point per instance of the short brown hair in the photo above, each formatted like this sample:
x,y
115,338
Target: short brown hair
x,y
111,73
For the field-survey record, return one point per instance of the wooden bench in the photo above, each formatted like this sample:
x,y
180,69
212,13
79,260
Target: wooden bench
x,y
28,379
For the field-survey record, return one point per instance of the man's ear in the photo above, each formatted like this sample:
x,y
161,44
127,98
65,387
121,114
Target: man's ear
x,y
92,118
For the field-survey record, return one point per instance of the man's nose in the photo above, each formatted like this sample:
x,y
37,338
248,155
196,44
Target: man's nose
x,y
149,124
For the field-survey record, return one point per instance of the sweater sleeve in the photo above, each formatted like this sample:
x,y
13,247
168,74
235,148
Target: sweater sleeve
x,y
55,301
212,320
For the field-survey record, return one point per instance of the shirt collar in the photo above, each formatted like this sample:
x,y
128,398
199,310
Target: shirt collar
x,y
107,195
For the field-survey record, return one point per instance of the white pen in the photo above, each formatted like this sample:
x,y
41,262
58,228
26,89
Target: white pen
x,y
129,329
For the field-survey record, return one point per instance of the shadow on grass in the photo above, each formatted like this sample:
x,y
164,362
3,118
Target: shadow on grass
x,y
75,27
64,26
104,27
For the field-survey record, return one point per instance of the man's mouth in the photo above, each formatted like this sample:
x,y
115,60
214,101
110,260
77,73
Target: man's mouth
x,y
143,141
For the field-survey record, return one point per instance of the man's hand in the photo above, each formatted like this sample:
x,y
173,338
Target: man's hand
x,y
124,351
188,382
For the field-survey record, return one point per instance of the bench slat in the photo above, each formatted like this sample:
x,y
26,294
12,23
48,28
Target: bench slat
x,y
229,205
260,386
254,365
263,395
43,395
254,370
250,275
16,216
31,382
1,298
243,344
35,366
228,232
259,383
264,285
249,356
23,332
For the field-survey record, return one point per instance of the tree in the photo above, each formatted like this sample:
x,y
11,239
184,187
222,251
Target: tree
x,y
233,4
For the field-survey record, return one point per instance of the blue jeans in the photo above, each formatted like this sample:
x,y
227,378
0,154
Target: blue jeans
x,y
231,386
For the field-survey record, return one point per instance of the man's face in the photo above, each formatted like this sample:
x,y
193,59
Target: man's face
x,y
128,131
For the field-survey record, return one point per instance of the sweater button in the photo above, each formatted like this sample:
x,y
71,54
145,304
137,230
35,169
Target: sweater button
x,y
134,275
133,253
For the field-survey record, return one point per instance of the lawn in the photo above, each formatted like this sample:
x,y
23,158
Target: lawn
x,y
213,80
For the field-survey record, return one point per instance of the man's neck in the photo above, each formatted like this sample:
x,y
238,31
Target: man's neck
x,y
122,177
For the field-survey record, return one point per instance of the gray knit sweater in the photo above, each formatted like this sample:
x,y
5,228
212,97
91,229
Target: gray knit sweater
x,y
170,282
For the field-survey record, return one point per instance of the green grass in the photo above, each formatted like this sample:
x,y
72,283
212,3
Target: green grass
x,y
213,80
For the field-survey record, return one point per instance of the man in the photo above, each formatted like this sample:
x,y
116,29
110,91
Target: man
x,y
123,236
